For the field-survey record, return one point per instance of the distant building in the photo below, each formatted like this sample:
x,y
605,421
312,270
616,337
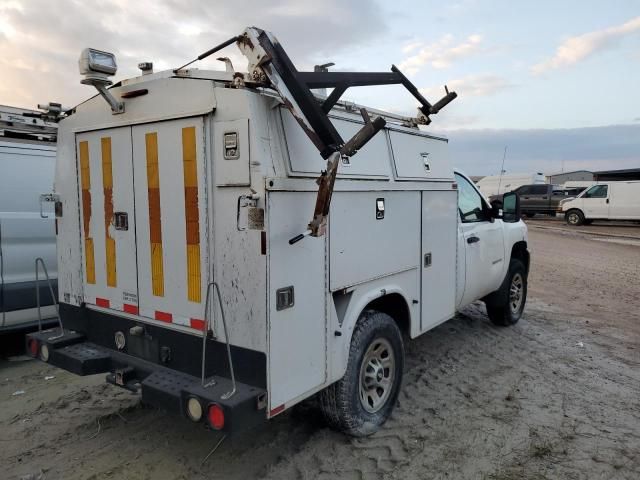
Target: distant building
x,y
576,176
626,174
476,178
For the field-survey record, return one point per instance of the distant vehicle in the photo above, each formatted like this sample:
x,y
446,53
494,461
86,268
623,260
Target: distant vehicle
x,y
604,201
536,198
573,188
27,164
499,184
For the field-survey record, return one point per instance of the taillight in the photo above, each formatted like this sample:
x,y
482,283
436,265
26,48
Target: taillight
x,y
215,414
33,347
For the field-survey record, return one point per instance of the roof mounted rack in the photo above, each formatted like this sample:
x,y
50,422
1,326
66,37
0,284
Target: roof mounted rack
x,y
270,66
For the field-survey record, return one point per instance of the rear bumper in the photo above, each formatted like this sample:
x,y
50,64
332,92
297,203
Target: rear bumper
x,y
159,384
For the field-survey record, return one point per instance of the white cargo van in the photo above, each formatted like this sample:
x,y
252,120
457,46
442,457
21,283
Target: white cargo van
x,y
230,245
614,200
27,164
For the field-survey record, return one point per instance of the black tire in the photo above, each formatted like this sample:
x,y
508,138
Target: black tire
x,y
341,402
529,214
574,217
587,222
502,308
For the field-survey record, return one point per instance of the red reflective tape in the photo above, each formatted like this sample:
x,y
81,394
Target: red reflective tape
x,y
102,302
130,308
164,316
197,323
276,410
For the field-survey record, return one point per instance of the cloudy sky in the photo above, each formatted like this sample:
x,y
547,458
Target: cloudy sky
x,y
555,81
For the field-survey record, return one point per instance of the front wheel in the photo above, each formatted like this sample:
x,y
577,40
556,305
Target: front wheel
x,y
574,218
505,306
360,402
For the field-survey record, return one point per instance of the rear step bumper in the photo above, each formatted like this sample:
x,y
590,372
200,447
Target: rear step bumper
x,y
160,386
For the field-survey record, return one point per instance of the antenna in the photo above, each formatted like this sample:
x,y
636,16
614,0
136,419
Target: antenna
x,y
504,155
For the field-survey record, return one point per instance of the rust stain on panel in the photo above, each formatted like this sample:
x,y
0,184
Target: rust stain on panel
x,y
107,185
155,218
85,185
192,213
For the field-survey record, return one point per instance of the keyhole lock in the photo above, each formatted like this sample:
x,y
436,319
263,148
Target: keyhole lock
x,y
379,208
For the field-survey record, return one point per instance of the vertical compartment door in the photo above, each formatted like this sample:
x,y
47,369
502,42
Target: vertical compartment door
x,y
297,300
108,219
171,212
439,244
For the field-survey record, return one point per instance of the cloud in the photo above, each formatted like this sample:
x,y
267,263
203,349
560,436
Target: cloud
x,y
479,152
471,86
440,54
576,49
41,40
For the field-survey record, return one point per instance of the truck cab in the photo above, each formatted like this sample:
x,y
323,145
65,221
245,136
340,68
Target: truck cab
x,y
189,270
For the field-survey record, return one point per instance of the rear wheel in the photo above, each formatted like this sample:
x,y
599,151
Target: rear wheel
x,y
505,306
574,218
529,214
360,402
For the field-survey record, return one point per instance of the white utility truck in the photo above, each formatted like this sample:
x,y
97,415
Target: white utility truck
x,y
189,269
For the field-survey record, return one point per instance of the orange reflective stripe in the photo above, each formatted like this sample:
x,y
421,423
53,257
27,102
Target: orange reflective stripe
x,y
192,213
85,185
107,185
155,218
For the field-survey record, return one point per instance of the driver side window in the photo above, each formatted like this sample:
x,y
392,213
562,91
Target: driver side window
x,y
597,191
470,203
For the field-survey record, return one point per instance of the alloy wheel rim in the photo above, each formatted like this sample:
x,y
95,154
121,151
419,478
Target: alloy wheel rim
x,y
516,293
377,375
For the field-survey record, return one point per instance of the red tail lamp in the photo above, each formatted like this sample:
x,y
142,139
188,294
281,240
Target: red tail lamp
x,y
32,345
215,414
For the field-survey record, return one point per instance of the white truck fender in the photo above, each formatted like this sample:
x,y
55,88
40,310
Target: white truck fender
x,y
366,295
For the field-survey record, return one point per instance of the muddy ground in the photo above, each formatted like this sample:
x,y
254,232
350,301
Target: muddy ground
x,y
556,396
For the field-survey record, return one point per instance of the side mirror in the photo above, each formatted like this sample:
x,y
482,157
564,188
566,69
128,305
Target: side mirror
x,y
511,207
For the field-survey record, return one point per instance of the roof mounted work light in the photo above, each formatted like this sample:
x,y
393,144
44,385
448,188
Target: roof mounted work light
x,y
97,66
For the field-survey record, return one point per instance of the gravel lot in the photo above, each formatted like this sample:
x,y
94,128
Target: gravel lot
x,y
556,396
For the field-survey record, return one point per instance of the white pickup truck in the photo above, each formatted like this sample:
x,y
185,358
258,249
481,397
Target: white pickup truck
x,y
189,269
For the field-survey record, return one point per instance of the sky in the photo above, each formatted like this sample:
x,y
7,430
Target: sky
x,y
556,82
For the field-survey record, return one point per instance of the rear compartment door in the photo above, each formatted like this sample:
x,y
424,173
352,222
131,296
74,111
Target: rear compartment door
x,y
105,172
171,213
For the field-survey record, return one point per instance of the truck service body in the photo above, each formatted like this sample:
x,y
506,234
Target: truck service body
x,y
181,276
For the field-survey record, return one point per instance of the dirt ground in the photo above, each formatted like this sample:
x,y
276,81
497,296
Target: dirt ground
x,y
556,396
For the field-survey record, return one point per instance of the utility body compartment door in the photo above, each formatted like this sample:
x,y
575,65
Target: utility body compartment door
x,y
297,300
171,220
438,279
107,218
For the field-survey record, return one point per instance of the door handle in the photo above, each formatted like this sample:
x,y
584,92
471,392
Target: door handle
x,y
607,200
545,198
473,239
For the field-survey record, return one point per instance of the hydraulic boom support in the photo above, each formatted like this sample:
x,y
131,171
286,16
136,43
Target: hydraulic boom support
x,y
270,66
